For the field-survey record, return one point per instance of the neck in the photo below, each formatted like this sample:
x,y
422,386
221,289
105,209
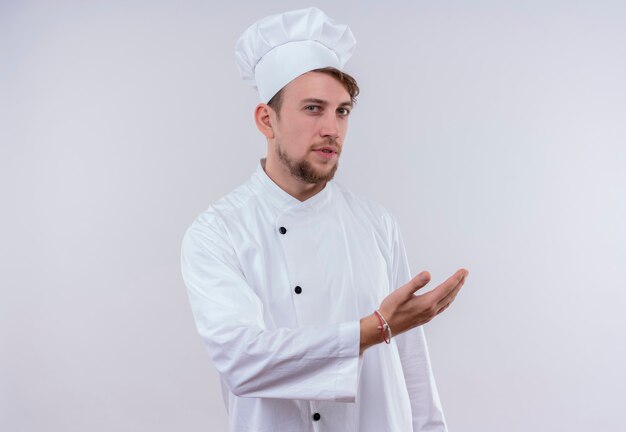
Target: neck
x,y
286,181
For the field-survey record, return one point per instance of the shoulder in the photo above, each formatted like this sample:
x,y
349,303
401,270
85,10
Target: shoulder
x,y
366,207
211,224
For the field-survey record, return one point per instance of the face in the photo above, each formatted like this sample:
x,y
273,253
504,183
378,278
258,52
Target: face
x,y
311,127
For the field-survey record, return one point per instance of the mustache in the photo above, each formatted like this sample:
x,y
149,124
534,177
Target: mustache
x,y
329,142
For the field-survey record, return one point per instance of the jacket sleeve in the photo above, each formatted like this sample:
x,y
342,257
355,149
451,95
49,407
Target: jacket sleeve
x,y
310,363
425,405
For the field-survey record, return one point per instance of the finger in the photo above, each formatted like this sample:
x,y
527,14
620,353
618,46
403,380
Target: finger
x,y
447,301
457,287
443,308
415,284
449,298
445,288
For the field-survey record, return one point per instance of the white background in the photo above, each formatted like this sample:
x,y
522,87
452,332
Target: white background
x,y
494,130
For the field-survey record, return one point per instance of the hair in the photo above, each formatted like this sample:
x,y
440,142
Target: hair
x,y
347,81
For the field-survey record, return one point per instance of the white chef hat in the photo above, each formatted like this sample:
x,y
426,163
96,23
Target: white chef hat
x,y
278,48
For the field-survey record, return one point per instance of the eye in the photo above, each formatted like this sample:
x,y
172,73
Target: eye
x,y
344,112
312,108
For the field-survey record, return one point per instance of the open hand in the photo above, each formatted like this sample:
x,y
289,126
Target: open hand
x,y
404,310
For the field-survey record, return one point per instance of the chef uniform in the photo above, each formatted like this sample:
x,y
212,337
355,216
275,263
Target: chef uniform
x,y
278,286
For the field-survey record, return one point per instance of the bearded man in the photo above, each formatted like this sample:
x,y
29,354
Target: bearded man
x,y
300,289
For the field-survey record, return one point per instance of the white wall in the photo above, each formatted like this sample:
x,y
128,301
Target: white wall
x,y
493,130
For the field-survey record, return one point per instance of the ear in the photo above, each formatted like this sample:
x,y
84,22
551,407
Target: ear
x,y
263,118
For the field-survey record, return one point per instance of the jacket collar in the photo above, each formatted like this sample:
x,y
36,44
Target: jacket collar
x,y
280,199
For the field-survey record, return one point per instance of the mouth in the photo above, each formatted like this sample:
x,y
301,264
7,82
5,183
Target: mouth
x,y
327,150
326,153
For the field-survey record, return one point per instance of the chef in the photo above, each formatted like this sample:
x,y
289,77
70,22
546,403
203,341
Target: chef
x,y
300,289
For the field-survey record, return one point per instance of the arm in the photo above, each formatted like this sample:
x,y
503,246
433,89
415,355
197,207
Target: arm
x,y
403,308
315,363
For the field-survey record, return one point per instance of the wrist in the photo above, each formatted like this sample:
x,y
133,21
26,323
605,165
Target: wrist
x,y
370,333
385,330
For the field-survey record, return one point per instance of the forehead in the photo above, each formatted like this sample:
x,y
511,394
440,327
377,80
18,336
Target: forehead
x,y
315,85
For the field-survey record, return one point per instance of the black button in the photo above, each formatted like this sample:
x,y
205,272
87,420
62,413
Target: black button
x,y
316,417
298,290
282,230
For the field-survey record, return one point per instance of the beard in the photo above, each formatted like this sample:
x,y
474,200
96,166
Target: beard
x,y
303,170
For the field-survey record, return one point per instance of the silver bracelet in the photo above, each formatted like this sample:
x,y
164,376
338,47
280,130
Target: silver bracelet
x,y
383,327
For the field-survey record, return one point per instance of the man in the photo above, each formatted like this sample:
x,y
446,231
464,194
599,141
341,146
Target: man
x,y
292,278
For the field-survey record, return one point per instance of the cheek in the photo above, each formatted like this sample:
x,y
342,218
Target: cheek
x,y
294,141
301,132
343,128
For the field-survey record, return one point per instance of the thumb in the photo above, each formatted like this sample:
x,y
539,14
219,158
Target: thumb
x,y
416,283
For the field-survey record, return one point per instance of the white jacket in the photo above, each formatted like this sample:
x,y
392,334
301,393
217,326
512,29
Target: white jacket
x,y
277,288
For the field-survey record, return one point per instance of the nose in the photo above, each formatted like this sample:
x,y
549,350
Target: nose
x,y
330,126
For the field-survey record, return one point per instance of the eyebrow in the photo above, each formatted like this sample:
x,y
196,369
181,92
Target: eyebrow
x,y
323,102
